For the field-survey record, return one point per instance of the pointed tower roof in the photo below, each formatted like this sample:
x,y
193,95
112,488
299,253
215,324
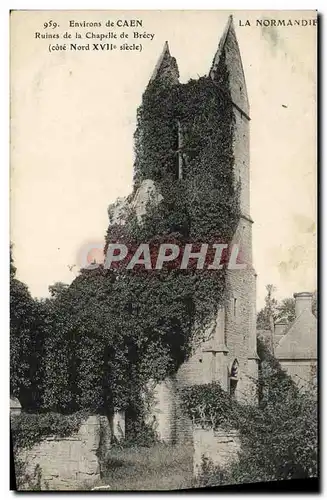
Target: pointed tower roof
x,y
166,67
164,54
229,45
221,46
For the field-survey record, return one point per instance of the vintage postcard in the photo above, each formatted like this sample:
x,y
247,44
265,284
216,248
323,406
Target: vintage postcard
x,y
163,291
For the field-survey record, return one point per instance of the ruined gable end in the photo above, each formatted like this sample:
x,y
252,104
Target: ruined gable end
x,y
166,68
229,48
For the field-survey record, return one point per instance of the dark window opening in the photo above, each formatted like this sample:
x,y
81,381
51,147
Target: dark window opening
x,y
176,153
235,307
232,387
179,159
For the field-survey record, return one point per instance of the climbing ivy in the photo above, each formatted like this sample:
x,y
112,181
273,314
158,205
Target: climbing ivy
x,y
200,207
118,328
210,407
29,429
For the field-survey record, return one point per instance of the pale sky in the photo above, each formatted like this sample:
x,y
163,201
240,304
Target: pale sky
x,y
74,115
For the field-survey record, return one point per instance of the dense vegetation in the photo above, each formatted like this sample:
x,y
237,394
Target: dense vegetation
x,y
26,343
279,438
105,336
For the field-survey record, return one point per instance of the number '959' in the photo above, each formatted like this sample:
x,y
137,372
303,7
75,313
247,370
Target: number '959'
x,y
50,24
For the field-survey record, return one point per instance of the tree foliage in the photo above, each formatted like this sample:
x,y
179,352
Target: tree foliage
x,y
279,438
275,311
268,315
26,343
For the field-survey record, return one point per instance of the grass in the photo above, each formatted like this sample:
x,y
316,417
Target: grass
x,y
160,467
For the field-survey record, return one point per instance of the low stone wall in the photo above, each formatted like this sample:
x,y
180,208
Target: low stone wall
x,y
65,463
221,447
161,417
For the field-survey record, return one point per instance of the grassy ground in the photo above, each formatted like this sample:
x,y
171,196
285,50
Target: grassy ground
x,y
160,467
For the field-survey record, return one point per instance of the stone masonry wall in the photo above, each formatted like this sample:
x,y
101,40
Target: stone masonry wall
x,y
221,447
240,305
303,372
66,463
240,330
236,73
161,417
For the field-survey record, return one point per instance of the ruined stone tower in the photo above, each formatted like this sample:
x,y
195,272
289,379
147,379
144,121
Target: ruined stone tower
x,y
229,355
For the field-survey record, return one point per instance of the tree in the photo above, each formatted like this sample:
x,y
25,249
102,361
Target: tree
x,y
279,311
266,318
268,315
286,310
97,355
57,289
26,343
289,418
12,266
279,438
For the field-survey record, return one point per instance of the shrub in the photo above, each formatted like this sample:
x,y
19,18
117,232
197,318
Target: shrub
x,y
29,429
208,405
279,438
